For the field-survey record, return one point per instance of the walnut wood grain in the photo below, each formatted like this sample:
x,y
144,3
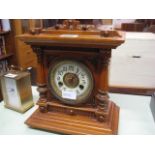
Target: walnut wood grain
x,y
97,115
84,39
74,124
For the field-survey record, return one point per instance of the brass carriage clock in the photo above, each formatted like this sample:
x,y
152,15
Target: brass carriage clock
x,y
72,77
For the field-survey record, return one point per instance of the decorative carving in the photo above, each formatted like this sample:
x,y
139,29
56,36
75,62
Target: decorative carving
x,y
104,58
102,100
92,113
104,33
93,60
71,24
49,59
39,53
100,117
35,31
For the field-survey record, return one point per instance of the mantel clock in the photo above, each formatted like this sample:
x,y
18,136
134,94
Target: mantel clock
x,y
72,78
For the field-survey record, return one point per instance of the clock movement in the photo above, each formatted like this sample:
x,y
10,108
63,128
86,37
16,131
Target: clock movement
x,y
72,78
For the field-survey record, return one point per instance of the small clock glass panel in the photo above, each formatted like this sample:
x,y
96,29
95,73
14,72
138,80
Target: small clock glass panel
x,y
70,81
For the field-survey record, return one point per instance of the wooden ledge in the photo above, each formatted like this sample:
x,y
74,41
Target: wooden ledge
x,y
62,123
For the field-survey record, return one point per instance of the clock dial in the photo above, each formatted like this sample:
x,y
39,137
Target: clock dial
x,y
70,81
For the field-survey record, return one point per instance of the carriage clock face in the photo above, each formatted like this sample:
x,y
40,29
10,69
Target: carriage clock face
x,y
70,81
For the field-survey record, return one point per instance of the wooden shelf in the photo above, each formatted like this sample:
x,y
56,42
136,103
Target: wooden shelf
x,y
4,32
6,56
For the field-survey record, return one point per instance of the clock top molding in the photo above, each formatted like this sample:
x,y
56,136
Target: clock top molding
x,y
82,37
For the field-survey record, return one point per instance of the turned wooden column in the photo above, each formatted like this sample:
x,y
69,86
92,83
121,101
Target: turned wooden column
x,y
102,98
104,60
41,81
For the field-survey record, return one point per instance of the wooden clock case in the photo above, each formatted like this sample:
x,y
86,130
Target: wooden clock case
x,y
97,115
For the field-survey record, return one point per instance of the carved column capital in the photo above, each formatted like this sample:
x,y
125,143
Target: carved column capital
x,y
93,60
39,53
104,58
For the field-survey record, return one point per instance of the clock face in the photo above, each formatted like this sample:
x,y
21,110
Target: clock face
x,y
70,81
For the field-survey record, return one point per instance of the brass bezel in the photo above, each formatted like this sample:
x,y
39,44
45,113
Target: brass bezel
x,y
52,69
